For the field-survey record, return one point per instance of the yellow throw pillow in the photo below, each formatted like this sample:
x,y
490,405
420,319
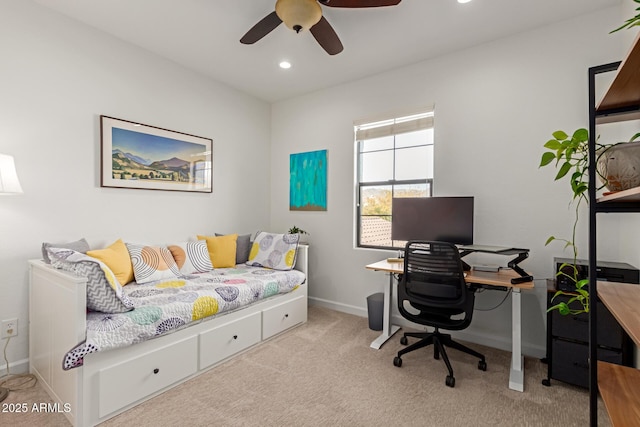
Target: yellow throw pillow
x,y
116,257
222,250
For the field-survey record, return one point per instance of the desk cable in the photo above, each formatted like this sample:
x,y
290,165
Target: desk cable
x,y
496,306
11,382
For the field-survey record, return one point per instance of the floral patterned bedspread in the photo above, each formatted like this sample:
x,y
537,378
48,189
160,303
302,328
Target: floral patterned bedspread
x,y
164,306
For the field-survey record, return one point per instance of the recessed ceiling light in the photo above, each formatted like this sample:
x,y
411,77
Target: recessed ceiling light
x,y
285,65
464,1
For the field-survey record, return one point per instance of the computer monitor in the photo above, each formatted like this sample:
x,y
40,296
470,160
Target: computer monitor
x,y
446,219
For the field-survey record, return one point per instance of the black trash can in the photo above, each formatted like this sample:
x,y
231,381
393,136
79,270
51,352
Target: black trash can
x,y
375,308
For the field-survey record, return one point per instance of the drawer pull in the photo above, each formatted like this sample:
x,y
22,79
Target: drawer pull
x,y
235,337
155,371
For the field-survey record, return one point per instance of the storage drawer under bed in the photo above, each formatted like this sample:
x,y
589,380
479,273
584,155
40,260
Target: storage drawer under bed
x,y
228,339
283,316
137,378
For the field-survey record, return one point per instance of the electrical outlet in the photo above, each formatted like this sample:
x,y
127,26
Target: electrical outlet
x,y
9,328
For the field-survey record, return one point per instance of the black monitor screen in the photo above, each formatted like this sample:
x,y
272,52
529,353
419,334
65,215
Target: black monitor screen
x,y
445,219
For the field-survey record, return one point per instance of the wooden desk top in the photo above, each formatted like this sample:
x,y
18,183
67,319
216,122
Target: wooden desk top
x,y
501,278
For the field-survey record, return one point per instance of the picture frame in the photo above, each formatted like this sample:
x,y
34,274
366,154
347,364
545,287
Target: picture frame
x,y
139,156
308,181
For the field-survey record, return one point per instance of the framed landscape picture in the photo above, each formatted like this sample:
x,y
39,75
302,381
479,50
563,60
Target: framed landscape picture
x,y
146,157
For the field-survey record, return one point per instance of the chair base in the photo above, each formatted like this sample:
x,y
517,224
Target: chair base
x,y
439,342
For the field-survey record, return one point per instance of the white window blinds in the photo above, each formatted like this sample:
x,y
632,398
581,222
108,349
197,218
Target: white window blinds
x,y
399,125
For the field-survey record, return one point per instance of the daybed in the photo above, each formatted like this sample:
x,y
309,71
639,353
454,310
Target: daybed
x,y
112,381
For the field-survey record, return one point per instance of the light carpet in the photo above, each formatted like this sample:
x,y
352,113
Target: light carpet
x,y
324,373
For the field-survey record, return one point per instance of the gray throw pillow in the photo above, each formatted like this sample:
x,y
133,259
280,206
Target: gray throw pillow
x,y
79,246
243,246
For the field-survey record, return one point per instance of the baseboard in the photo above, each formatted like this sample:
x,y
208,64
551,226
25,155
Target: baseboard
x,y
492,341
343,308
19,367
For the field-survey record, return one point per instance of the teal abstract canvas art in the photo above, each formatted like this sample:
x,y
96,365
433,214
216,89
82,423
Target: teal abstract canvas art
x,y
308,181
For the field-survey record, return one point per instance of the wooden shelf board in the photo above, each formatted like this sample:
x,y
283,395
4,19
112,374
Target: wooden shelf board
x,y
623,301
630,195
625,88
620,390
619,117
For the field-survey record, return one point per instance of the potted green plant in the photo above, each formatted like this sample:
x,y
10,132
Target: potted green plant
x,y
299,231
571,154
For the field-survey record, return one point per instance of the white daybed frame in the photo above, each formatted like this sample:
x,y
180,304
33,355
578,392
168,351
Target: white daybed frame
x,y
113,381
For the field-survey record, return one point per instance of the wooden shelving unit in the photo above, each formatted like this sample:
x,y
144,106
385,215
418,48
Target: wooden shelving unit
x,y
624,91
621,100
630,195
619,386
623,300
620,391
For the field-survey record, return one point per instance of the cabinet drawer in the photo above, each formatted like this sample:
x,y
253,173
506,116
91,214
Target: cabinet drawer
x,y
610,334
228,339
281,317
132,380
569,361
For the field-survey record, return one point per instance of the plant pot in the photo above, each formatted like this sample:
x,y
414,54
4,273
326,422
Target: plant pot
x,y
619,166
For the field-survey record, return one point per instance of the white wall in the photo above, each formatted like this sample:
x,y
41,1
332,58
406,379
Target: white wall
x,y
496,105
57,78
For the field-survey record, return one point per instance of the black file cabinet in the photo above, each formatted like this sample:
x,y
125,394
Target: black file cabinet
x,y
568,342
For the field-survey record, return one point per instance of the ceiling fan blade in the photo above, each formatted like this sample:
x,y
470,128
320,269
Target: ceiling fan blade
x,y
327,37
261,29
359,3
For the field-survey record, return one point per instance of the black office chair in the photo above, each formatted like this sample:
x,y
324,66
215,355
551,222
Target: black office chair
x,y
433,284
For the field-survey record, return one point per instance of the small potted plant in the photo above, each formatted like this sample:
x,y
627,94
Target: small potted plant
x,y
299,231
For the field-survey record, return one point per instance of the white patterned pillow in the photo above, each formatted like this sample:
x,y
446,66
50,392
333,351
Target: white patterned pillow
x,y
104,292
151,263
191,257
276,251
81,246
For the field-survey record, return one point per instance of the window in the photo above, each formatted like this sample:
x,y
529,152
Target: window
x,y
394,159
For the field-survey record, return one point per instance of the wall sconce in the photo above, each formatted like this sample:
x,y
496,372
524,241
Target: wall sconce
x,y
9,183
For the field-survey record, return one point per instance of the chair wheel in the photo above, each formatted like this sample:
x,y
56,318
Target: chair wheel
x,y
482,365
546,382
397,361
450,382
404,341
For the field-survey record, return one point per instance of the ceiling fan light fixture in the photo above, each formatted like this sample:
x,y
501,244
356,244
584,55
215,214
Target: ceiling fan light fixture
x,y
299,15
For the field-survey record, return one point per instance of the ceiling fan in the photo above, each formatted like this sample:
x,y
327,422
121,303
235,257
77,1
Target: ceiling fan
x,y
302,15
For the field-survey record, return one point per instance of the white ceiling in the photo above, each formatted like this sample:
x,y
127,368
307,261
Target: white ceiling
x,y
203,35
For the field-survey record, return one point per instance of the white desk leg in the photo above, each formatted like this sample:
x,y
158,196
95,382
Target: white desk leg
x,y
387,328
516,376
